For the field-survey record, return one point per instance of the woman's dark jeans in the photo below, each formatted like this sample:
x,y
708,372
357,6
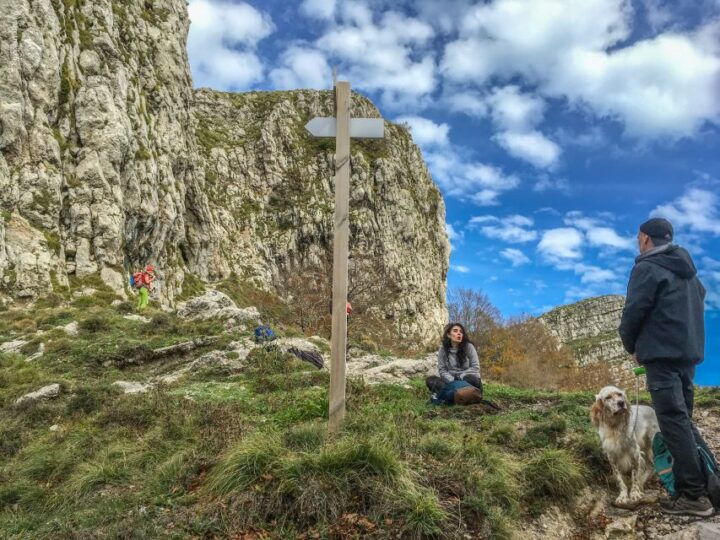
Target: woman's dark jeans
x,y
436,384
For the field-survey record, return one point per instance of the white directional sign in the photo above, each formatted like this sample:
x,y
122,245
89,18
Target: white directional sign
x,y
360,128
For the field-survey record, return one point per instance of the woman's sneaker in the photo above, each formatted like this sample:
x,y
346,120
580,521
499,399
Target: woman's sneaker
x,y
682,505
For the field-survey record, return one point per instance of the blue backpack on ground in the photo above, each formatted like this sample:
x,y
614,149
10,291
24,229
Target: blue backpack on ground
x,y
264,334
663,467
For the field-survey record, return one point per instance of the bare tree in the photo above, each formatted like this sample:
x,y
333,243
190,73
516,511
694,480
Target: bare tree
x,y
372,290
474,310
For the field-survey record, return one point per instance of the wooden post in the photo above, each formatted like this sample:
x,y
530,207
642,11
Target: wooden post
x,y
341,236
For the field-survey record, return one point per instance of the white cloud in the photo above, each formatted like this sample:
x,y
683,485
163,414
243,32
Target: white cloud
x,y
460,268
594,274
561,244
697,210
577,219
663,86
463,179
302,68
426,133
457,175
531,146
455,237
711,263
590,290
513,229
547,210
392,56
515,256
598,234
545,183
512,110
221,43
490,42
538,284
516,115
467,102
318,9
607,237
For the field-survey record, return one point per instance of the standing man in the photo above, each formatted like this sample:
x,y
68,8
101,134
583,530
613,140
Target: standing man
x,y
662,325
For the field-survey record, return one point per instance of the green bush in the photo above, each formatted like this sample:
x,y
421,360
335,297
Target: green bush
x,y
245,464
305,437
94,324
545,434
553,474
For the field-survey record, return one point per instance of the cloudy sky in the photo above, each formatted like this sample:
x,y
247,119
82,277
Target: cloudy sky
x,y
553,127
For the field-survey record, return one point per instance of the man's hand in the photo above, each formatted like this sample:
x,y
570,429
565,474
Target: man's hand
x,y
636,360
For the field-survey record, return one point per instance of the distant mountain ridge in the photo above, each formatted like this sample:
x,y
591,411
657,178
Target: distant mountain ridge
x,y
589,329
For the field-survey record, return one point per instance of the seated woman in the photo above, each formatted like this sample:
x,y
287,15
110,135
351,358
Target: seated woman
x,y
457,360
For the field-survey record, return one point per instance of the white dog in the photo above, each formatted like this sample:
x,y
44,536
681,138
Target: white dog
x,y
626,434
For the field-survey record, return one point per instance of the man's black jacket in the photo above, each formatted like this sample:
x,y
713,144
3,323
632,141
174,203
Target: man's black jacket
x,y
664,309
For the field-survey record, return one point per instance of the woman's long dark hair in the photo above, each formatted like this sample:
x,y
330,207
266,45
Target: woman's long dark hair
x,y
446,343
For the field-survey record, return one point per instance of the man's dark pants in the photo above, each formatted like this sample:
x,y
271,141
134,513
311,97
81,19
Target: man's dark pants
x,y
671,388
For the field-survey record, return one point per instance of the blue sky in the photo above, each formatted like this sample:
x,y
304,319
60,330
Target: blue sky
x,y
553,127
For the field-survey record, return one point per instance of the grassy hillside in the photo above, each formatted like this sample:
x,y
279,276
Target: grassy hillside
x,y
222,452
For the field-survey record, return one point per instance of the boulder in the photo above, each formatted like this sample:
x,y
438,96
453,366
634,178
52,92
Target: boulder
x,y
71,329
46,392
134,317
378,369
697,531
12,346
133,387
216,305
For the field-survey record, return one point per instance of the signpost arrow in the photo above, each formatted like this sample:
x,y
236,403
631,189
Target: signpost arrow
x,y
342,128
360,128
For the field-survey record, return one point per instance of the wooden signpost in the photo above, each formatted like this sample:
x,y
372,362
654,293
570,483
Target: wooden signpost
x,y
342,127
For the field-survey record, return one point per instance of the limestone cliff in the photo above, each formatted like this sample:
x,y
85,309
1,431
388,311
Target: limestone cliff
x,y
109,160
589,328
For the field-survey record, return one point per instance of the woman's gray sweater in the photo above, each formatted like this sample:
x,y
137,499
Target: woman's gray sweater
x,y
448,366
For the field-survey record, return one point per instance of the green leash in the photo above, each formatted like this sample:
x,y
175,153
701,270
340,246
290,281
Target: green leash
x,y
637,371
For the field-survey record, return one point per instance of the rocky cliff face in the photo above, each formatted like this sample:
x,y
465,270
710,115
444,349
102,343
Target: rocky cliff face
x,y
109,160
589,328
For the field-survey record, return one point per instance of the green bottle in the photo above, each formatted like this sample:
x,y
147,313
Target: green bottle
x,y
639,371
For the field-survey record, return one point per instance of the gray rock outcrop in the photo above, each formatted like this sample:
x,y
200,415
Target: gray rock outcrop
x,y
46,392
110,160
216,305
589,328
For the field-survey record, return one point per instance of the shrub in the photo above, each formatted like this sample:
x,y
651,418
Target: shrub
x,y
94,324
554,474
55,318
24,326
421,512
111,468
245,464
503,435
438,446
305,437
125,307
544,434
86,400
50,301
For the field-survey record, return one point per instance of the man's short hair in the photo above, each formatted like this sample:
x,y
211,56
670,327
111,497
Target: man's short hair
x,y
660,231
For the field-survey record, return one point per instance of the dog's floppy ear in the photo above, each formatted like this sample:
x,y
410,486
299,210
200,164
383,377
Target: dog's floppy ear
x,y
596,412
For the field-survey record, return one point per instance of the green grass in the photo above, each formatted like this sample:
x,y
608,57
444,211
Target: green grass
x,y
217,453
